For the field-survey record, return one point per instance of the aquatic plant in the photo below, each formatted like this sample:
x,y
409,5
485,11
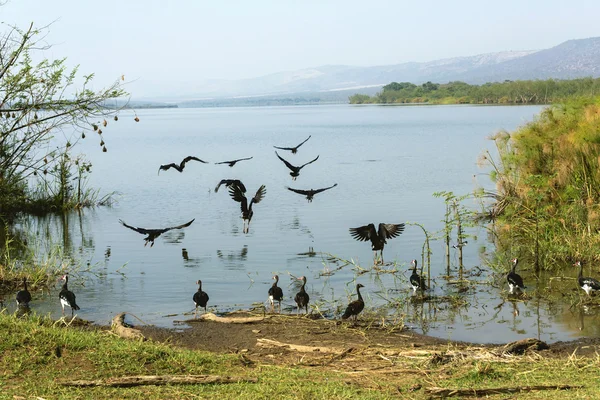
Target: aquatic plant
x,y
547,177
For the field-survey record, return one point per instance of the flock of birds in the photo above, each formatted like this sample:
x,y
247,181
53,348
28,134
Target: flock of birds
x,y
237,190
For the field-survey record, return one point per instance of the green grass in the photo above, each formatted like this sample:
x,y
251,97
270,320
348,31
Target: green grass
x,y
30,367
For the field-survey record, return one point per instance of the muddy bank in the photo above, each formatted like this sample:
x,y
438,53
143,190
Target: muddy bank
x,y
337,336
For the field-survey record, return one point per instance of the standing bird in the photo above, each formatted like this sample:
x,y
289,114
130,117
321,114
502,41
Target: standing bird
x,y
514,280
416,280
181,165
275,294
154,233
295,170
23,296
378,238
294,150
238,195
67,298
200,298
586,283
229,182
302,297
356,306
231,163
310,193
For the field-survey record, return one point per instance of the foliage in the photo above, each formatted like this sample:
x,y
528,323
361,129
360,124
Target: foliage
x,y
37,101
548,185
507,92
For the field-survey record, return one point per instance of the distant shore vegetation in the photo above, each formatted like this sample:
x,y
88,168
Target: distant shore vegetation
x,y
507,92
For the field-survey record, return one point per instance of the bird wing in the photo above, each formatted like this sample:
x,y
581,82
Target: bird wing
x,y
188,158
290,166
284,148
299,191
236,194
223,182
165,167
260,193
178,226
303,142
310,162
243,159
363,233
390,230
324,189
139,230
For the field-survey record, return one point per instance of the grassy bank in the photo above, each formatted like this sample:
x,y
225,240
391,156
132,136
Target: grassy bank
x,y
38,354
547,178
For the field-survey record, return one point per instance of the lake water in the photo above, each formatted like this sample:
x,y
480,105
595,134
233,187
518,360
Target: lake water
x,y
387,162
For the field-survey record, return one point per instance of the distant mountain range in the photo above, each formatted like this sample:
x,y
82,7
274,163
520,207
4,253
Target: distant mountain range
x,y
334,83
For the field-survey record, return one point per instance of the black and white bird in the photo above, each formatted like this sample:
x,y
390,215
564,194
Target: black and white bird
x,y
154,233
200,298
310,193
417,281
377,237
302,297
295,170
356,306
231,163
514,280
588,284
294,150
67,298
23,296
229,182
238,195
181,165
275,294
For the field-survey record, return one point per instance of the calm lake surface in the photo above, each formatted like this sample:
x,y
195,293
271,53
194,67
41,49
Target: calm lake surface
x,y
387,162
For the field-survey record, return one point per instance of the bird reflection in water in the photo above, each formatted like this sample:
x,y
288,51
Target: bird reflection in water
x,y
310,253
189,261
174,237
242,255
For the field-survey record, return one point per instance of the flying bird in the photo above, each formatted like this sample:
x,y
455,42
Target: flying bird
x,y
181,165
229,182
238,195
310,193
232,162
154,233
378,238
294,150
295,170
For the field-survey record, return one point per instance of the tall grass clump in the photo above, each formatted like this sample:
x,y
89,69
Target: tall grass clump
x,y
548,185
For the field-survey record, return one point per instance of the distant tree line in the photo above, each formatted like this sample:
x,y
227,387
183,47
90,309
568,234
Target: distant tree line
x,y
507,92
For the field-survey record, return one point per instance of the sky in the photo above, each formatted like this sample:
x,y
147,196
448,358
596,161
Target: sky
x,y
163,46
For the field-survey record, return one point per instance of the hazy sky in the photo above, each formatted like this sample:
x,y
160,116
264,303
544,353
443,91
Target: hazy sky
x,y
165,45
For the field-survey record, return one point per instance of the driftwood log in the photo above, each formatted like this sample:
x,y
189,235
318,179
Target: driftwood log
x,y
231,320
445,392
118,326
141,380
520,346
297,347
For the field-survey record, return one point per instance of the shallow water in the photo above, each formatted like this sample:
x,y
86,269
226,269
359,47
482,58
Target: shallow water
x,y
387,162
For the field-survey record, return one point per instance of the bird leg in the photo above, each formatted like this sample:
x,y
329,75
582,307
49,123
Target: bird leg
x,y
196,313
